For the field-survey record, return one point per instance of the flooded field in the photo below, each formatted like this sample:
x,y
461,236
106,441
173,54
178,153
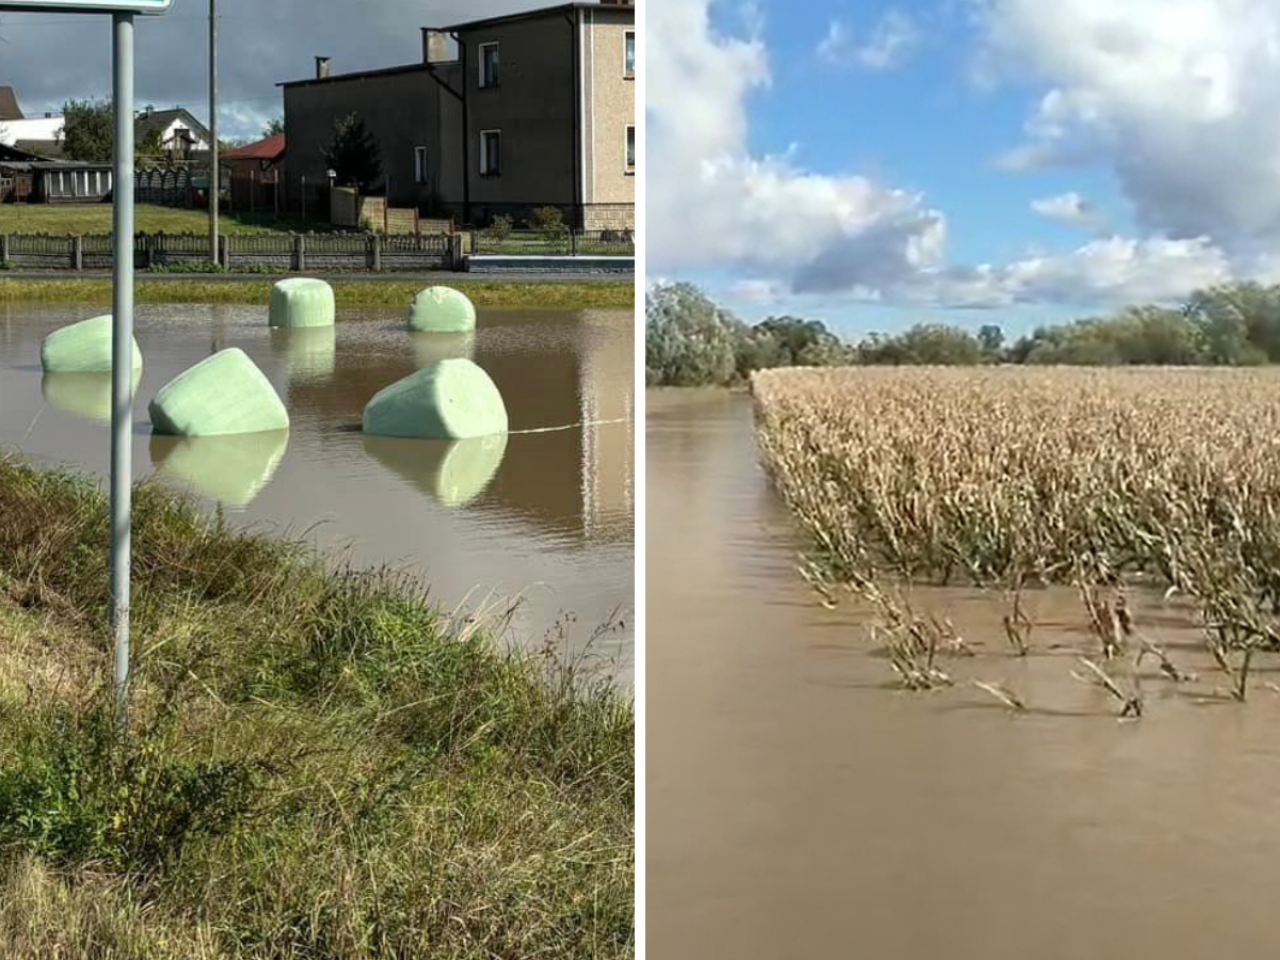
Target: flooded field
x,y
798,806
548,515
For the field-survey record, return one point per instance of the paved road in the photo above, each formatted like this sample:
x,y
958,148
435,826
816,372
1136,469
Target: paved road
x,y
432,276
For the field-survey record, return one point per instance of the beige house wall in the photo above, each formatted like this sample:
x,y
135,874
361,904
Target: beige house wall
x,y
609,106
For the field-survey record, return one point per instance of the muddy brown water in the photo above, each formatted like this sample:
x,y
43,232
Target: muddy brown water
x,y
797,807
548,516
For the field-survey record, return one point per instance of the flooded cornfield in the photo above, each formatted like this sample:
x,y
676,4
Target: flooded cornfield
x,y
544,514
801,803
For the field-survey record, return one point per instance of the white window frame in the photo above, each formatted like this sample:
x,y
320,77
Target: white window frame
x,y
484,154
480,78
419,164
628,134
628,74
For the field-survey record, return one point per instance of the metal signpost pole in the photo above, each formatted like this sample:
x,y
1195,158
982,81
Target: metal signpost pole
x,y
122,358
215,190
122,13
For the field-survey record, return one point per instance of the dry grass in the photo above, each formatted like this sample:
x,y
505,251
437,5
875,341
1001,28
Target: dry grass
x,y
1008,478
320,763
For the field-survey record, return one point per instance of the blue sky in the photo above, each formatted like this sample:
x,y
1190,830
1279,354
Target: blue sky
x,y
942,125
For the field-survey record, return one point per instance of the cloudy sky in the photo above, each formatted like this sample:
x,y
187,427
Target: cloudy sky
x,y
972,161
50,58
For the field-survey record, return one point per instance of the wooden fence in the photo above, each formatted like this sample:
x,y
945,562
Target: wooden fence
x,y
254,253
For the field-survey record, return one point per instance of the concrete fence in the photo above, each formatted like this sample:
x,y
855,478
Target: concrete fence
x,y
266,252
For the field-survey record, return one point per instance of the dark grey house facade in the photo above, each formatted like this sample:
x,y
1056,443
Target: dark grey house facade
x,y
499,117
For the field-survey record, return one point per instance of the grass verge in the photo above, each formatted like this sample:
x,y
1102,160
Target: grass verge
x,y
349,293
320,763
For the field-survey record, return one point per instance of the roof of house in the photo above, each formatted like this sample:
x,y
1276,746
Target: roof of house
x,y
162,119
9,109
269,148
535,14
44,149
459,27
15,155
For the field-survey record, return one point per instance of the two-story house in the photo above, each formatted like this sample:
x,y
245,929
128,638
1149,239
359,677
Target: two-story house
x,y
501,116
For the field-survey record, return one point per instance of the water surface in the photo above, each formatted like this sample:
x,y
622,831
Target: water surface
x,y
797,807
548,515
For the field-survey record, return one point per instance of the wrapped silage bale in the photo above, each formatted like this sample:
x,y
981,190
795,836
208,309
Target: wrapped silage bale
x,y
223,394
442,310
450,400
302,302
83,347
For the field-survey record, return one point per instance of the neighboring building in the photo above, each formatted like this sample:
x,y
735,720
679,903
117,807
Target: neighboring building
x,y
9,109
501,116
181,134
35,135
256,174
55,181
264,157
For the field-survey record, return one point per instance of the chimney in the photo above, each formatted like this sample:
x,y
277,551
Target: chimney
x,y
322,68
48,115
435,46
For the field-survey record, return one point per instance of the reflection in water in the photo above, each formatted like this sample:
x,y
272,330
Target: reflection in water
x,y
797,808
452,473
232,470
86,395
554,522
429,348
309,353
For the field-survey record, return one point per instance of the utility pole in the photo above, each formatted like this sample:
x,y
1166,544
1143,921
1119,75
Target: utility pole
x,y
214,187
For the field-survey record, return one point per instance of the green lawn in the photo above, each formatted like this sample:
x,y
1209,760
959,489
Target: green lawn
x,y
349,293
96,218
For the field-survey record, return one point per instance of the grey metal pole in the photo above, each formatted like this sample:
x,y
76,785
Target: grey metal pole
x,y
214,191
122,358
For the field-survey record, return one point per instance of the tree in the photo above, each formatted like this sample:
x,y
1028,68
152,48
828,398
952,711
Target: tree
x,y
353,154
689,341
273,127
88,130
149,150
991,340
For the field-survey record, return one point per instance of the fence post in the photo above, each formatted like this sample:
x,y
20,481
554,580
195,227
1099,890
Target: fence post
x,y
455,252
77,252
224,251
573,243
375,242
299,253
4,248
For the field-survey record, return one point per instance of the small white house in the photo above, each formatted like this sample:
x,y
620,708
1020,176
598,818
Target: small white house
x,y
42,130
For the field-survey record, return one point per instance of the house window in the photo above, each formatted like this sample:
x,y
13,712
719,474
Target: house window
x,y
629,55
420,164
631,149
490,153
488,65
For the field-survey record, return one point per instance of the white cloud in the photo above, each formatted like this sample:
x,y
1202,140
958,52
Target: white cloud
x,y
713,203
889,43
1164,91
1180,98
1070,208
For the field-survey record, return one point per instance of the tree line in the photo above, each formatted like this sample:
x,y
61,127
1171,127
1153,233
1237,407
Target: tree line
x,y
692,341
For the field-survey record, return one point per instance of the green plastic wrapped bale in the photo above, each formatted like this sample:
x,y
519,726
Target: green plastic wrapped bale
x,y
453,473
431,348
230,470
309,354
302,302
451,400
86,395
442,310
83,347
222,394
